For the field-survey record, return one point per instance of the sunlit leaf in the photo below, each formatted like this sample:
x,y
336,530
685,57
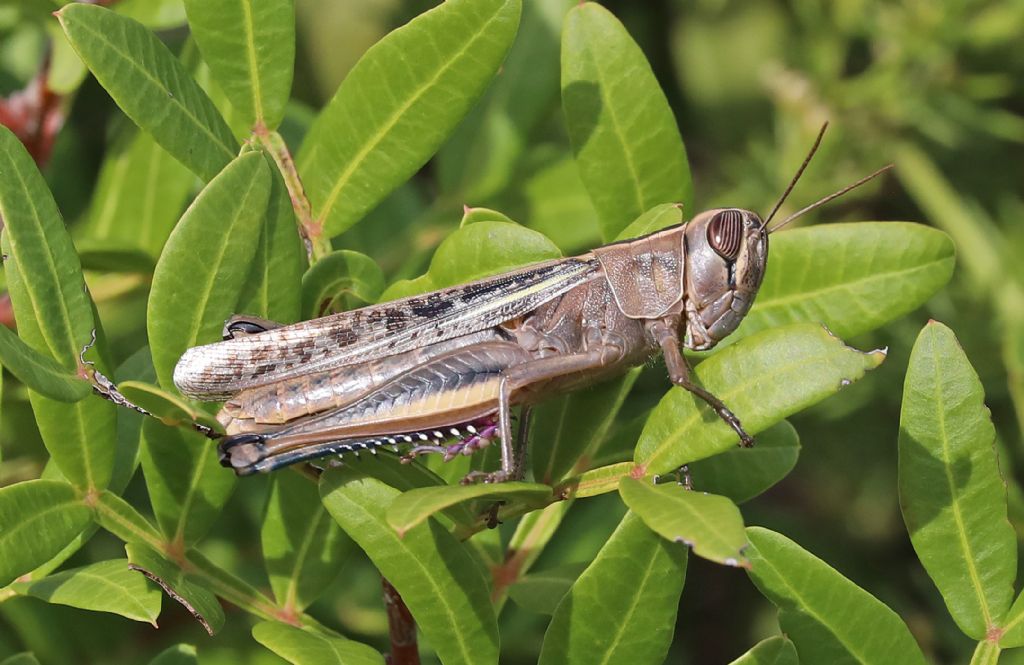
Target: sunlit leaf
x,y
106,586
413,507
743,473
150,86
436,575
951,492
399,103
623,607
624,135
657,218
710,525
829,618
205,263
38,518
305,647
254,59
338,274
773,651
40,372
762,379
198,601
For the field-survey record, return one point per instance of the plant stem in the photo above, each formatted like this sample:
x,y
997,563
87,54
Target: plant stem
x,y
401,628
987,653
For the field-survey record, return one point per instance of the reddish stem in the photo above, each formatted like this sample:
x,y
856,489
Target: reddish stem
x,y
401,628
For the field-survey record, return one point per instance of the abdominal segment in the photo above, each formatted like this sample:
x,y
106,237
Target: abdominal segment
x,y
453,395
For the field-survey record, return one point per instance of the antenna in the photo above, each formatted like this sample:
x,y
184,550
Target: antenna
x,y
828,198
799,172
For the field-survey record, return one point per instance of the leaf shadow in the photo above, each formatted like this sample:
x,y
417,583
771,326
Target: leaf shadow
x,y
582,99
922,499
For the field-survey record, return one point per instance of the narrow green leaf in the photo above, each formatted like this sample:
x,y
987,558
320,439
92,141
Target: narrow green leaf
x,y
38,518
339,275
197,600
179,654
205,263
541,592
24,658
225,585
121,519
150,86
103,256
623,607
597,481
627,145
479,159
951,492
762,379
474,215
743,473
187,485
107,586
436,575
986,653
477,251
413,507
305,647
567,429
302,546
40,372
773,651
853,278
709,525
829,618
657,218
273,288
171,409
399,103
254,59
1013,625
139,196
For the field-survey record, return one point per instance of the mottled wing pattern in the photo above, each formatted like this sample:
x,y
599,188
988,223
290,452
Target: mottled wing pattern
x,y
216,371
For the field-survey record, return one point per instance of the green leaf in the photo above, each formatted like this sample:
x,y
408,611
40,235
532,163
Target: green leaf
x,y
121,519
150,86
657,218
480,158
187,485
853,278
709,525
154,14
623,607
413,507
253,60
198,601
436,575
24,658
829,618
302,546
168,407
340,273
567,429
474,215
304,647
399,103
951,492
743,473
205,263
597,481
139,196
477,251
38,518
103,256
273,288
107,586
40,372
1013,625
762,379
179,654
541,592
773,651
53,310
627,145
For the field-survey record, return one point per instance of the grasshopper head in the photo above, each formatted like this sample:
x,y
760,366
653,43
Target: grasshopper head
x,y
726,253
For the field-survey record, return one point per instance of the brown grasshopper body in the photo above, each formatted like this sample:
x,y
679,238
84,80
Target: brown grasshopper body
x,y
453,363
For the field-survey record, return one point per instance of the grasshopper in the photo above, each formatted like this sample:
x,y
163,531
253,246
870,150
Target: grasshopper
x,y
451,364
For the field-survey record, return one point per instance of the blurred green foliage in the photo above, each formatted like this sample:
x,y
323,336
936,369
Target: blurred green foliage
x,y
937,88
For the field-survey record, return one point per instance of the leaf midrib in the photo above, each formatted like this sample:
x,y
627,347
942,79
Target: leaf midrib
x,y
250,53
634,603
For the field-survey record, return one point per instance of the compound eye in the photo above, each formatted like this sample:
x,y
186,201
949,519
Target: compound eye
x,y
725,232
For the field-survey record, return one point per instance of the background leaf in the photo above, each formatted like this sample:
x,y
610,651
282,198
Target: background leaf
x,y
624,136
709,525
150,86
179,654
303,647
399,103
344,275
253,61
773,651
435,574
202,269
623,607
829,618
951,492
762,379
37,519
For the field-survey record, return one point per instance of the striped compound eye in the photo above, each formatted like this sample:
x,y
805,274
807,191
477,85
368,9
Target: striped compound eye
x,y
725,232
